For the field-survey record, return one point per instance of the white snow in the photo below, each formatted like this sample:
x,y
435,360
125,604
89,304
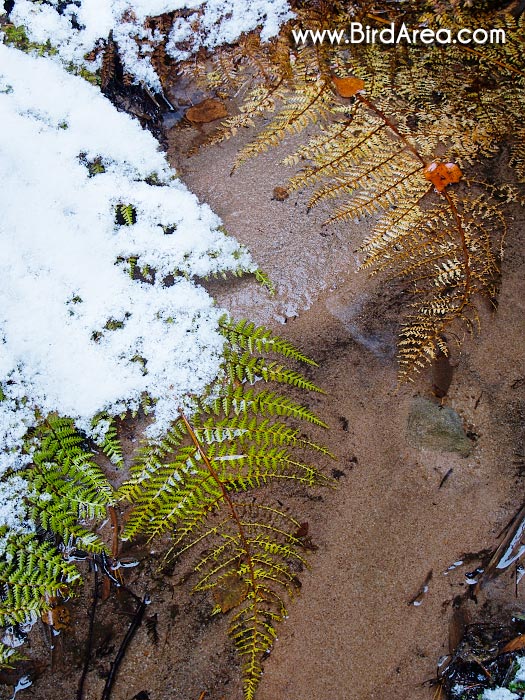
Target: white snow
x,y
207,23
499,694
520,673
78,335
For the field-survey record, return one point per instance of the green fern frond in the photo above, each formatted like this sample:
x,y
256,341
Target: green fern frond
x,y
238,400
126,214
9,656
30,571
244,335
265,281
109,442
66,485
245,367
204,483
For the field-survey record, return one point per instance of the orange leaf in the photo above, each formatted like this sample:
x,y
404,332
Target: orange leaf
x,y
514,644
57,617
280,194
348,87
442,174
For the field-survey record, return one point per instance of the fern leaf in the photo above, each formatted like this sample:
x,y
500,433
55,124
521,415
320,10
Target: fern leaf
x,y
9,656
109,442
244,335
66,486
29,571
422,105
126,214
237,400
201,483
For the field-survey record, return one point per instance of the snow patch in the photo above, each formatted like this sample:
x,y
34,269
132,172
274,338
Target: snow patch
x,y
78,335
75,28
499,694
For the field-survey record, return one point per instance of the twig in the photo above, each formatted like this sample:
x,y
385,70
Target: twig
x,y
89,641
445,478
135,624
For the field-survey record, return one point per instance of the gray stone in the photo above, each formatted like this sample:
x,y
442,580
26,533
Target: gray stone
x,y
435,427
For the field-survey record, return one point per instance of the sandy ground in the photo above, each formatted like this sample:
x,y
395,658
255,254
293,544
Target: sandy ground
x,y
352,633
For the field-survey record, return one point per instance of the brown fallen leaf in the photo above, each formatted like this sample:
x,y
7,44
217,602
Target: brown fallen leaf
x,y
456,629
280,194
206,111
229,592
302,530
348,87
58,617
514,645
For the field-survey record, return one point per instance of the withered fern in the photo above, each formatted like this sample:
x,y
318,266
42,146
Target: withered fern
x,y
207,483
402,131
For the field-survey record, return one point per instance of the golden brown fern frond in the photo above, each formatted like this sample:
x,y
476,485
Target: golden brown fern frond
x,y
109,63
450,253
448,247
304,102
420,115
517,159
160,27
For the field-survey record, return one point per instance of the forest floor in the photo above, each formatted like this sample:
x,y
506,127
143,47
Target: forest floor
x,y
353,633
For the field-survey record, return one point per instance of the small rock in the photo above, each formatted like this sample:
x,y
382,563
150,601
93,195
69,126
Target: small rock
x,y
439,428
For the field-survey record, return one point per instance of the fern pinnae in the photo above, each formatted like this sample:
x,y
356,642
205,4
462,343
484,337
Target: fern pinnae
x,y
245,335
245,367
241,400
29,572
109,441
66,485
205,486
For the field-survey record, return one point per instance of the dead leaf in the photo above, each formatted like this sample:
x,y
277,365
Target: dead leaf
x,y
206,111
348,87
456,629
302,531
229,592
442,174
57,617
280,194
514,645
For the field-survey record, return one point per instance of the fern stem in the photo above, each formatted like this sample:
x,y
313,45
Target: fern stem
x,y
89,640
225,495
480,57
228,501
464,247
371,106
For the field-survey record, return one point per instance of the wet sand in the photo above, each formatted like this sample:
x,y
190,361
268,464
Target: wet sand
x,y
352,634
